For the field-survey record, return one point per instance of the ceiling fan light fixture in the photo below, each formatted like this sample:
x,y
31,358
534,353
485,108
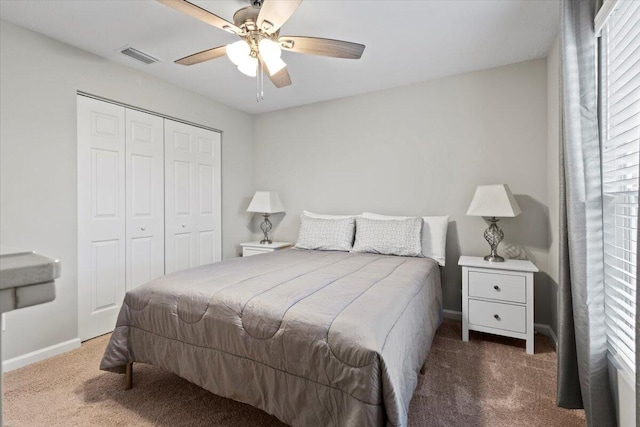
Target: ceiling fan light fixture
x,y
249,66
238,52
269,49
270,52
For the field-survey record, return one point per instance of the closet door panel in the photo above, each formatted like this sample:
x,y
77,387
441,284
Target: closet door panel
x,y
183,215
206,246
207,200
182,188
192,195
101,215
179,246
144,197
183,251
140,260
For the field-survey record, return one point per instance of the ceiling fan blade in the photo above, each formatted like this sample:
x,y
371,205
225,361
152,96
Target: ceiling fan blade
x,y
274,13
279,79
323,47
201,14
205,55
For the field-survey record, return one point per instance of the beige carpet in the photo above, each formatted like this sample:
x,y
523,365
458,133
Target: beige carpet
x,y
489,381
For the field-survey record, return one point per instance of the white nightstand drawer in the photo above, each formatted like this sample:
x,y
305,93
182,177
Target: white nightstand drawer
x,y
499,316
257,248
251,251
502,287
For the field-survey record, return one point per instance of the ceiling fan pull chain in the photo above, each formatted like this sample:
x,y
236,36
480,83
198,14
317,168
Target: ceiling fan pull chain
x,y
260,83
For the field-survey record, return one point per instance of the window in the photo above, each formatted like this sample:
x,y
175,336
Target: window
x,y
620,139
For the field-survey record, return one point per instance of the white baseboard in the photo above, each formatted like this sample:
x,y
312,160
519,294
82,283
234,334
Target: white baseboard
x,y
41,354
540,328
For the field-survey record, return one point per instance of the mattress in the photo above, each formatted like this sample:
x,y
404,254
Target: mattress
x,y
315,338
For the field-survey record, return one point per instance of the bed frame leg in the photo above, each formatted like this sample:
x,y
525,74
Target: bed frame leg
x,y
128,377
423,369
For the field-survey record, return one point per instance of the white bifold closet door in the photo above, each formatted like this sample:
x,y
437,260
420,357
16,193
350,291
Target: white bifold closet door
x,y
144,197
149,199
101,215
192,196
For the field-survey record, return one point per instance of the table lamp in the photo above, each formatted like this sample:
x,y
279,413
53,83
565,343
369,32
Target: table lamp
x,y
494,201
266,203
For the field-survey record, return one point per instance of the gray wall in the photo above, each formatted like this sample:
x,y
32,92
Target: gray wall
x,y
39,78
421,150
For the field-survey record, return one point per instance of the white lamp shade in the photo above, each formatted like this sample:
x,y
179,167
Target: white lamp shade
x,y
266,202
249,66
238,52
270,52
494,200
269,49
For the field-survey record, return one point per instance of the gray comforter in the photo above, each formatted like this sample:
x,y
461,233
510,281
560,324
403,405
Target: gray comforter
x,y
314,338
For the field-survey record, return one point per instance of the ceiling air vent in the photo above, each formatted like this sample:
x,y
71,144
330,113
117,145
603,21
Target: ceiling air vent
x,y
138,55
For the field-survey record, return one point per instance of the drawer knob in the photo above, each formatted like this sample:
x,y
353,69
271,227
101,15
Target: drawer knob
x,y
496,287
497,317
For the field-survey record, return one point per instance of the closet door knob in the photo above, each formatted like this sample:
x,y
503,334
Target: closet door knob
x,y
496,317
184,225
496,287
143,228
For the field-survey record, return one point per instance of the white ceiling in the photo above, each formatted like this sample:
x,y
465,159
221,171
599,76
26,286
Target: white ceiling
x,y
407,41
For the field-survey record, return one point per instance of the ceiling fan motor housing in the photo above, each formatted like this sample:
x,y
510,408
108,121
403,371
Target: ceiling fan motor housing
x,y
246,19
246,16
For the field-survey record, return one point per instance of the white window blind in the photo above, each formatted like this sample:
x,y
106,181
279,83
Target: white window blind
x,y
620,134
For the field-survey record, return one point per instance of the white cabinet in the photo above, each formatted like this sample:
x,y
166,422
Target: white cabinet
x,y
149,203
257,248
498,298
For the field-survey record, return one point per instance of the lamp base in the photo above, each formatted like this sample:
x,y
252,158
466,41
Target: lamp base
x,y
493,236
266,227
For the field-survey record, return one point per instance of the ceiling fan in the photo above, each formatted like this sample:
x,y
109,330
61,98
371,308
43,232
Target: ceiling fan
x,y
259,51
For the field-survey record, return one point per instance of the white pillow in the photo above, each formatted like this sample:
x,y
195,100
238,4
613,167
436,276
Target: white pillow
x,y
434,234
389,237
323,216
326,234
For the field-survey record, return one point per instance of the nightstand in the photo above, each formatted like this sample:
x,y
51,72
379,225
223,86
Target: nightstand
x,y
497,297
256,248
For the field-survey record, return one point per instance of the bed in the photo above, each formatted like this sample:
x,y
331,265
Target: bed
x,y
315,338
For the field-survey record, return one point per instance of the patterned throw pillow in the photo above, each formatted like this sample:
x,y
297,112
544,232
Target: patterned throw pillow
x,y
389,237
326,234
434,234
